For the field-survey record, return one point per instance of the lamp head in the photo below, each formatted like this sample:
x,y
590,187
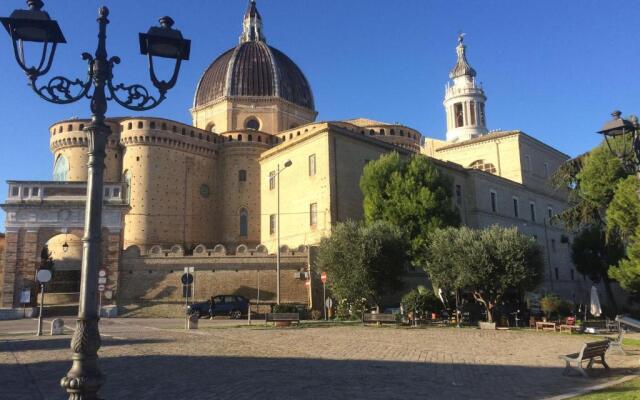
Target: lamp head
x,y
288,163
164,41
619,133
33,25
65,247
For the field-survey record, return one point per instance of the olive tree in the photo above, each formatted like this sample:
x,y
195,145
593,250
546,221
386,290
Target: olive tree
x,y
487,262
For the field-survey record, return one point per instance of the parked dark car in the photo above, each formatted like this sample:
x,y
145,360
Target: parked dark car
x,y
227,305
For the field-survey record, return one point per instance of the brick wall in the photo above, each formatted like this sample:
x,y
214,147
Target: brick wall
x,y
150,285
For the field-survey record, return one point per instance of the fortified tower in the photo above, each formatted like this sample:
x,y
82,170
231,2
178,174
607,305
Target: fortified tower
x,y
464,100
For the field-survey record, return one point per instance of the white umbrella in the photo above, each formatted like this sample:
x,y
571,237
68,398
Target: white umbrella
x,y
595,309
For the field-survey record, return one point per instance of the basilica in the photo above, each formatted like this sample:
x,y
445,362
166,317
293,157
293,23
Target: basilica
x,y
254,175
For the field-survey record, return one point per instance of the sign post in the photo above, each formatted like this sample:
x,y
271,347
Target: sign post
x,y
323,278
43,276
187,280
102,281
25,298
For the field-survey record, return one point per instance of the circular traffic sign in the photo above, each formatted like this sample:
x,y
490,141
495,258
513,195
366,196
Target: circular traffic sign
x,y
187,279
102,272
323,277
307,283
43,276
101,288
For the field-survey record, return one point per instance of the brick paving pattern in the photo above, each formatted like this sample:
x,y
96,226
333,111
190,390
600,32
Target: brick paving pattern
x,y
147,359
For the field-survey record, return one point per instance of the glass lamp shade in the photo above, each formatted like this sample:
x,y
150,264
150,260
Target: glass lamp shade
x,y
164,41
619,134
65,247
33,26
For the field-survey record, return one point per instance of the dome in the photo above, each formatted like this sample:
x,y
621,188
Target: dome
x,y
254,69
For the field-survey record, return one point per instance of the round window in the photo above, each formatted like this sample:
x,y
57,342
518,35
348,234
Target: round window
x,y
204,190
252,124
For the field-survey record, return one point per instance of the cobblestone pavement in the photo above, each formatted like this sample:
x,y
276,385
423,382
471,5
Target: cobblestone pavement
x,y
154,359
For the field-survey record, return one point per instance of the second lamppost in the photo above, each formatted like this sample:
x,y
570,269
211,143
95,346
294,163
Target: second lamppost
x,y
287,164
84,379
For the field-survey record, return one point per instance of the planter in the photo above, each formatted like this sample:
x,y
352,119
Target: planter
x,y
487,325
283,323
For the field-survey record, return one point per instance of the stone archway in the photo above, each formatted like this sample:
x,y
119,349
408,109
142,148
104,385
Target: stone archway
x,y
31,226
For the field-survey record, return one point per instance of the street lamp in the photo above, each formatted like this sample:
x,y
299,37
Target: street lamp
x,y
623,139
84,379
287,164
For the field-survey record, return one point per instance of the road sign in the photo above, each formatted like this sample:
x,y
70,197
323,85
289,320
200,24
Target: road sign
x,y
323,277
25,296
43,276
187,279
189,270
328,302
102,281
102,272
307,283
101,288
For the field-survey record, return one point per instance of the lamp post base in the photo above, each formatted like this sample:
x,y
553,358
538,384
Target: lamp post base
x,y
84,379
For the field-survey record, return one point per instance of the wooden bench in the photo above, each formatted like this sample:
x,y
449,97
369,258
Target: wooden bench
x,y
590,351
545,325
598,326
281,317
379,318
569,325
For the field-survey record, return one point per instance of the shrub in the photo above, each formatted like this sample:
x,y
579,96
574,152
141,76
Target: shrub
x,y
316,315
284,308
421,301
549,304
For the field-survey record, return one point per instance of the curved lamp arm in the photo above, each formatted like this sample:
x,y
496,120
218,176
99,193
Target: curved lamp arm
x,y
138,97
59,89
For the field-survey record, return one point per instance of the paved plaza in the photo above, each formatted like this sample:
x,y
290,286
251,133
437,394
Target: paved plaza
x,y
155,359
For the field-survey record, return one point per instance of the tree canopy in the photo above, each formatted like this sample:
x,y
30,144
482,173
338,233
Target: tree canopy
x,y
410,194
363,261
487,262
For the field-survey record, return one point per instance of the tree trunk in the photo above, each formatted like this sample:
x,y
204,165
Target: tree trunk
x,y
607,288
487,305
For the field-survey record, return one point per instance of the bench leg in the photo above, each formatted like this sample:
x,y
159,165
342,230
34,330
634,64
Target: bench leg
x,y
590,363
604,362
567,369
581,370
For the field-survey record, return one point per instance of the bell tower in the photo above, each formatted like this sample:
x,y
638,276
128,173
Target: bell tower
x,y
464,100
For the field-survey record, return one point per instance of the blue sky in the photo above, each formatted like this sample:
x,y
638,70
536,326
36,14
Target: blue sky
x,y
554,69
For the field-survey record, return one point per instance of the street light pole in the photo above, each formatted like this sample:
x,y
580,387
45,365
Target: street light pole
x,y
287,164
84,379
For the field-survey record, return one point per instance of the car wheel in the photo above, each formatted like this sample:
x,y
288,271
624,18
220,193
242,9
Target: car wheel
x,y
236,314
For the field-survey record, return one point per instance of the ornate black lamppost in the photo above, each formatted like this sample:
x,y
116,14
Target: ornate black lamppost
x,y
623,139
84,379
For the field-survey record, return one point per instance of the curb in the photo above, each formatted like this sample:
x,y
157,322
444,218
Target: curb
x,y
592,388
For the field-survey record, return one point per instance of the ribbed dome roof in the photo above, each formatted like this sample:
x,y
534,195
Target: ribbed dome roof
x,y
254,68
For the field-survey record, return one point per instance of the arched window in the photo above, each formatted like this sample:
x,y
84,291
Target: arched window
x,y
60,169
242,175
483,165
252,123
126,178
244,222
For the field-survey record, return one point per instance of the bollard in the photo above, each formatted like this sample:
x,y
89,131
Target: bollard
x,y
57,327
192,322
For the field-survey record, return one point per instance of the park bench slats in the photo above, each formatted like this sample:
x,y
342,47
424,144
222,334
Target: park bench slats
x,y
590,351
282,317
381,318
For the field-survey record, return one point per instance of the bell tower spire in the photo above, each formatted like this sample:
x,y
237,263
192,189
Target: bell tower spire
x,y
252,25
464,100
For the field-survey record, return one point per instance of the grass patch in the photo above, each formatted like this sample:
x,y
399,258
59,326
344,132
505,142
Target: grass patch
x,y
629,390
